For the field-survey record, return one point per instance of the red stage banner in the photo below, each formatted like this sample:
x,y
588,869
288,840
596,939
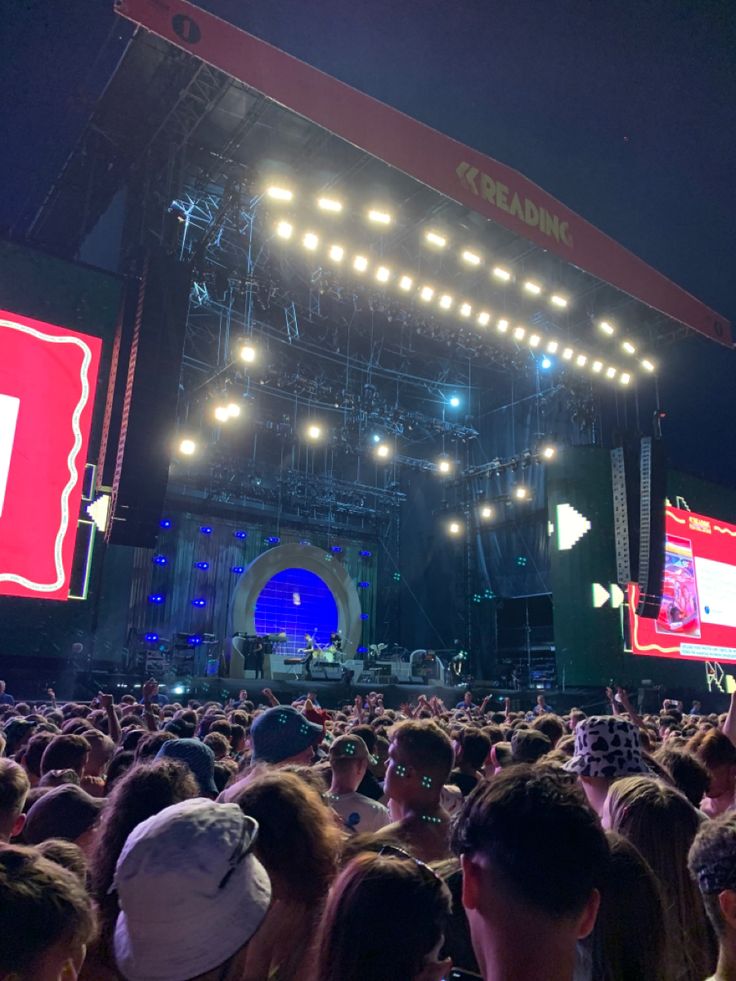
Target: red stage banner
x,y
465,175
697,618
48,376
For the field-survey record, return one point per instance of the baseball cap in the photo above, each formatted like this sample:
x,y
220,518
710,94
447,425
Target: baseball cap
x,y
64,812
280,733
191,893
198,757
606,746
350,747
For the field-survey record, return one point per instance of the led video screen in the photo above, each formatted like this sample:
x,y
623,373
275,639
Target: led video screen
x,y
48,377
697,616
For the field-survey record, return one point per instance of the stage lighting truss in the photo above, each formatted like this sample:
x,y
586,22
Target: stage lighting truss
x,y
433,296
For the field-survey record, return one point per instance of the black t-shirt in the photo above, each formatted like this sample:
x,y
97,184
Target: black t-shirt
x,y
370,787
464,781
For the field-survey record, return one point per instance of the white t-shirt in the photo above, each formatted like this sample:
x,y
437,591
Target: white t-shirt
x,y
360,813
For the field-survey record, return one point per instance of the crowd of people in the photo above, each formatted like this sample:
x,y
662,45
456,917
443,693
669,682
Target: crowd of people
x,y
157,841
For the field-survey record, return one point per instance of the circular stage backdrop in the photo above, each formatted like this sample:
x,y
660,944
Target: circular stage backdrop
x,y
297,590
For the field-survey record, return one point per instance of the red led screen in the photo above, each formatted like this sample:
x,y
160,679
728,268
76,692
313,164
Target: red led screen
x,y
697,618
48,376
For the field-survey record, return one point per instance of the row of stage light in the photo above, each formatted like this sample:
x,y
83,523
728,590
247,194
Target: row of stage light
x,y
429,293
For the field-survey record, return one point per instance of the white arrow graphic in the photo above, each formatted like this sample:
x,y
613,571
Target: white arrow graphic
x,y
617,595
571,526
98,510
600,595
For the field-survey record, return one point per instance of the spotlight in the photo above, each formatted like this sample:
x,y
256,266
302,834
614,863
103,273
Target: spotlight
x,y
279,193
628,347
568,353
521,493
500,273
545,364
454,401
376,438
581,361
383,274
434,238
534,288
610,372
519,333
502,326
552,347
445,301
310,241
233,410
360,263
329,204
597,367
549,452
248,353
484,318
336,253
606,327
647,365
314,431
486,512
379,217
284,230
454,527
405,283
625,378
383,451
444,466
534,340
471,258
187,447
465,309
558,301
221,413
426,293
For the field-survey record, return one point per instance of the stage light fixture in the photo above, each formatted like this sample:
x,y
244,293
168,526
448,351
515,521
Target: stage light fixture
x,y
624,378
329,204
285,230
383,451
454,401
465,309
484,318
607,328
383,274
314,432
221,413
445,301
502,326
568,353
434,238
549,452
454,527
310,241
444,466
552,347
472,258
628,347
379,217
610,372
545,364
597,367
187,447
248,353
581,361
336,253
360,263
535,340
519,333
486,512
500,273
280,193
406,283
376,438
558,301
647,365
426,293
233,410
531,287
521,493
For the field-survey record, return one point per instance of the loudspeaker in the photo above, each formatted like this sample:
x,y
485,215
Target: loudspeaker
x,y
148,423
652,502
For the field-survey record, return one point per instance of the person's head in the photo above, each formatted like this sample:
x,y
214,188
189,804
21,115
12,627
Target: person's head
x,y
606,748
361,937
142,791
529,746
712,863
121,762
349,759
629,939
66,854
33,753
218,743
468,697
101,749
420,760
64,812
66,752
718,754
283,735
662,824
471,748
368,735
57,778
14,787
148,746
2,687
690,776
191,891
46,918
534,860
17,732
298,842
199,758
551,725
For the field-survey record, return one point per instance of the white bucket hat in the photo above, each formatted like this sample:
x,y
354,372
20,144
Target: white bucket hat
x,y
190,893
606,746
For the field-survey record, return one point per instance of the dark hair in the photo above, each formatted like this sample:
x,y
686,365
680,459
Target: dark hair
x,y
218,743
119,764
132,737
712,864
144,790
42,905
34,751
551,726
67,854
367,734
690,776
149,745
65,752
716,749
475,746
542,840
361,937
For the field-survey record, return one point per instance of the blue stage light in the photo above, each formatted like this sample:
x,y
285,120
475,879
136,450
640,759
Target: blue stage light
x,y
237,569
365,554
202,565
240,534
454,401
305,541
165,523
545,364
206,530
273,540
151,638
362,650
336,549
160,560
364,585
156,598
376,438
195,640
363,616
199,601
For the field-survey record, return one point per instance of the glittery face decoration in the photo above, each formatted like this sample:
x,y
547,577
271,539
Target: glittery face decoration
x,y
426,782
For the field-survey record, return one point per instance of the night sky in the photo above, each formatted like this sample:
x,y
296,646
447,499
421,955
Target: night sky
x,y
625,112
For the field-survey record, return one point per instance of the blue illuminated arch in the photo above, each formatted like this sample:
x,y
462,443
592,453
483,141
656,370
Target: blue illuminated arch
x,y
296,602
